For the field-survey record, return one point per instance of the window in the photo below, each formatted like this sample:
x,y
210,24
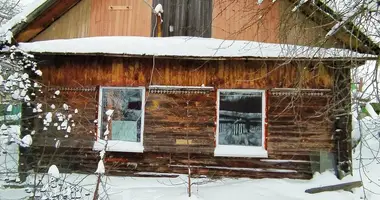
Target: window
x,y
127,121
241,120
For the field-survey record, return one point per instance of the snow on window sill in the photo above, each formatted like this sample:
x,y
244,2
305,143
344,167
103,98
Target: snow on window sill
x,y
240,151
119,146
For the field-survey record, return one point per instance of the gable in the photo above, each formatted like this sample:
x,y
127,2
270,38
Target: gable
x,y
41,18
100,18
297,28
269,21
73,24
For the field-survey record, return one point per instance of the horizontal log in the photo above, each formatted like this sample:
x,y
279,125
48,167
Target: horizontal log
x,y
342,186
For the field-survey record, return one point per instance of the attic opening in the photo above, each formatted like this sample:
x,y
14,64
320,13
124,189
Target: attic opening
x,y
184,18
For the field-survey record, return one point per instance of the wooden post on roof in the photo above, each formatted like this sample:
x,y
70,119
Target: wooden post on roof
x,y
159,24
158,11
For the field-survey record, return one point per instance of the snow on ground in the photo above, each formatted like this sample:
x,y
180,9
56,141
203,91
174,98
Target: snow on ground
x,y
128,188
143,188
366,158
9,155
184,47
367,73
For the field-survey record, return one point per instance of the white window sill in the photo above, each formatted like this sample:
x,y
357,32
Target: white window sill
x,y
119,146
240,151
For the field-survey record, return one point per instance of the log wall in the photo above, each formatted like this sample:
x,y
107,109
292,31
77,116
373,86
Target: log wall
x,y
299,121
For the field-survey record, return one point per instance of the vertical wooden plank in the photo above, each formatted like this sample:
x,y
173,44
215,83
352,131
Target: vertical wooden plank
x,y
244,20
135,20
75,23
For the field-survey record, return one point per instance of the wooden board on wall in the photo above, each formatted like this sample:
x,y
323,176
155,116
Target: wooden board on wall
x,y
73,24
172,120
108,71
120,18
246,20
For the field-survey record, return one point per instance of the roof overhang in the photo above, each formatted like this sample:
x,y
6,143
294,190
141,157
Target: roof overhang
x,y
245,58
349,34
42,13
36,18
193,48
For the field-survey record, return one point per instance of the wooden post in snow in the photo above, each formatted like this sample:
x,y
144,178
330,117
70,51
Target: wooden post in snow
x,y
361,85
342,186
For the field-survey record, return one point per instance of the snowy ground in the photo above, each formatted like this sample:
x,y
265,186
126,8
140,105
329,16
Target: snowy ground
x,y
366,158
9,156
225,189
175,188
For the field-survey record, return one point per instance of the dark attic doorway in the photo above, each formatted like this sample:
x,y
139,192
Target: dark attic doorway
x,y
185,17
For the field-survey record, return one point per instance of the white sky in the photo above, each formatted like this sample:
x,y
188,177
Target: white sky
x,y
26,2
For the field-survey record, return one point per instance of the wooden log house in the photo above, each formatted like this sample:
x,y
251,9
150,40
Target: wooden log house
x,y
250,112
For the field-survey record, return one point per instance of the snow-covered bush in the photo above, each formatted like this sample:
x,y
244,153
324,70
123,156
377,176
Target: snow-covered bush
x,y
19,85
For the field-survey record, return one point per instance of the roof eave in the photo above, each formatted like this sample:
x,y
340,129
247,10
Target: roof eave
x,y
365,44
210,58
32,16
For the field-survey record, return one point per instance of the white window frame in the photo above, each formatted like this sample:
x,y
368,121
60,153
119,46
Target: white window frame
x,y
239,150
118,145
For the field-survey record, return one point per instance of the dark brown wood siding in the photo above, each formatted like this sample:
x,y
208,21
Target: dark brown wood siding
x,y
299,121
187,17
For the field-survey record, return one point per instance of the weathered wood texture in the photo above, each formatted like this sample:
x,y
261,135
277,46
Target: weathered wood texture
x,y
299,124
120,18
83,123
246,20
232,19
351,36
343,186
170,118
110,71
85,160
74,24
46,19
297,28
299,121
342,113
186,17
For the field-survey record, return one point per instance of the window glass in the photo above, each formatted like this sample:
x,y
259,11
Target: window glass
x,y
240,118
125,124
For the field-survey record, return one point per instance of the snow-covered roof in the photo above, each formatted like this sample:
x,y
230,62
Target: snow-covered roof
x,y
186,47
6,29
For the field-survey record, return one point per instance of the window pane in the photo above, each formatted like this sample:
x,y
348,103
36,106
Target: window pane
x,y
126,119
240,118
